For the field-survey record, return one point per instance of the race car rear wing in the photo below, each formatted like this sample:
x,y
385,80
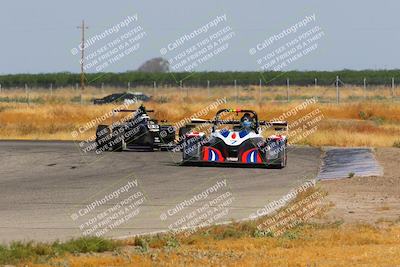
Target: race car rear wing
x,y
276,125
131,110
134,111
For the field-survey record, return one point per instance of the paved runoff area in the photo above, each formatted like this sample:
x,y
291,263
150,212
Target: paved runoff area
x,y
346,162
52,190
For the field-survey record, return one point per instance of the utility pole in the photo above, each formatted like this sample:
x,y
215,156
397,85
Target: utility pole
x,y
82,48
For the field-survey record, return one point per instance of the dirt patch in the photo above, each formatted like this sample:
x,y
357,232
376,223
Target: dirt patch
x,y
368,199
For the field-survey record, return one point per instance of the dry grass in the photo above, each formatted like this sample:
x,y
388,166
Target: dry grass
x,y
307,245
252,94
367,123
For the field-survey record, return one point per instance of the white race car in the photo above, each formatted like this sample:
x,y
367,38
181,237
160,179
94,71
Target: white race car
x,y
242,146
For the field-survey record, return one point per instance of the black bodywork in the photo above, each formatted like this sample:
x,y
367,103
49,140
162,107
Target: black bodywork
x,y
138,132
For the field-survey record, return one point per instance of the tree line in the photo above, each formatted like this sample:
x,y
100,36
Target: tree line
x,y
202,79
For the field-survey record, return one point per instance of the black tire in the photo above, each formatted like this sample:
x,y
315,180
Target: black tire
x,y
103,137
167,134
117,140
284,158
183,131
147,138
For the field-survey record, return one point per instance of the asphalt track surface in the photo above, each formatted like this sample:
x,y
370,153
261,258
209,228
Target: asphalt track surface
x,y
45,188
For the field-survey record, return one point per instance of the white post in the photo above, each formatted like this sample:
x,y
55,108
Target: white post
x,y
316,82
365,87
337,90
129,85
51,89
208,88
27,93
259,90
237,93
392,87
287,89
0,87
180,85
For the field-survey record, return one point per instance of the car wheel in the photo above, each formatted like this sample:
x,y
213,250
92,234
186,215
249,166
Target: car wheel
x,y
284,158
103,137
183,131
117,140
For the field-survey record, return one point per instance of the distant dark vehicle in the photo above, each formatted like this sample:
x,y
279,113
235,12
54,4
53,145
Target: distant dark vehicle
x,y
122,98
139,132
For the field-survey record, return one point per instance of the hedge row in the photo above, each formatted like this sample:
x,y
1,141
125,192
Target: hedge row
x,y
373,77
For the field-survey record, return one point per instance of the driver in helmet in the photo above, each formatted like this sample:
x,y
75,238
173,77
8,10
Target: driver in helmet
x,y
247,122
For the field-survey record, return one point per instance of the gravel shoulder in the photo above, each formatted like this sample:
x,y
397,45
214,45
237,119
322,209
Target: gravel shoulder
x,y
368,199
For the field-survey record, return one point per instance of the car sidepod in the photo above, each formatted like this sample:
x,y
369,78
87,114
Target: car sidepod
x,y
276,151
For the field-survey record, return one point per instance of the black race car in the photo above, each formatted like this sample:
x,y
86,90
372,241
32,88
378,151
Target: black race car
x,y
138,132
241,145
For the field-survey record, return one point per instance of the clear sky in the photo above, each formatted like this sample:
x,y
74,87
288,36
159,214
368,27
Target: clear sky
x,y
37,36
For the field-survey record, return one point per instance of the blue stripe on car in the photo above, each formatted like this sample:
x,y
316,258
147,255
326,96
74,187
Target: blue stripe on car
x,y
243,133
225,133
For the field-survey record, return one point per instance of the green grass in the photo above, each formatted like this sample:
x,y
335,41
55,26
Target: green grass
x,y
18,252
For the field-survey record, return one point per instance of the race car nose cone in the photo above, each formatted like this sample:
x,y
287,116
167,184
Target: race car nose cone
x,y
233,135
